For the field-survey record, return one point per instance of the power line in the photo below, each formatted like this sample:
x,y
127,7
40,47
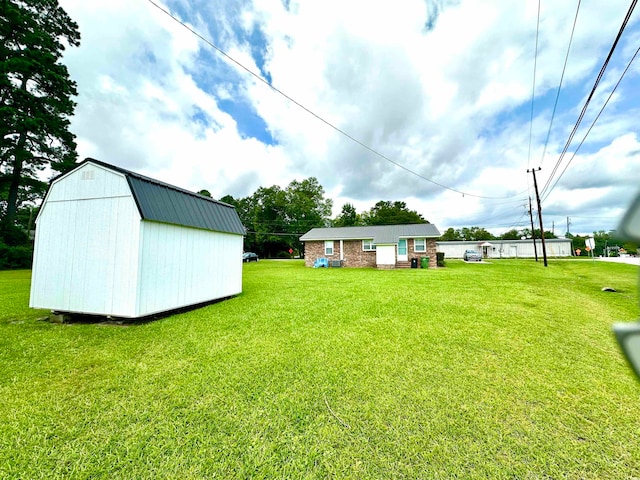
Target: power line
x,y
564,68
591,94
533,89
318,117
592,123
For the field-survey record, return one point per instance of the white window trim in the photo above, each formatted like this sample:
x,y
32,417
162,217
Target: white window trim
x,y
328,245
415,249
371,244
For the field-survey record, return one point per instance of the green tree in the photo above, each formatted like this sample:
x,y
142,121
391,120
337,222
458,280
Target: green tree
x,y
35,96
602,240
451,235
306,208
348,217
205,193
391,213
579,243
476,233
512,234
275,217
631,248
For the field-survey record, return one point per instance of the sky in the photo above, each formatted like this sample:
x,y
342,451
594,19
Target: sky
x,y
430,102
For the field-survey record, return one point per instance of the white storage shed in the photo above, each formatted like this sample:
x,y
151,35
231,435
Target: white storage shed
x,y
114,243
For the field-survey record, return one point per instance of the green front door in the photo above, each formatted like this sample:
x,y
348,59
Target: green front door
x,y
402,250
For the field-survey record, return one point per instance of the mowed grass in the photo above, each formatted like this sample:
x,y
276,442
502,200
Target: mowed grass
x,y
501,370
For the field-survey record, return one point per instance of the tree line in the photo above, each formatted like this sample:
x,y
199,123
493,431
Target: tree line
x,y
276,217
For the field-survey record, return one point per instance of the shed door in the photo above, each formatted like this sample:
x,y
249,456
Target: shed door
x,y
402,250
513,251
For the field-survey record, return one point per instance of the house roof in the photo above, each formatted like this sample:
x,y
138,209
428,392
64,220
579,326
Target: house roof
x,y
161,202
381,234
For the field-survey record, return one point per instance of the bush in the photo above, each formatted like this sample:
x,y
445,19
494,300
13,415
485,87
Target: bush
x,y
15,257
440,259
12,235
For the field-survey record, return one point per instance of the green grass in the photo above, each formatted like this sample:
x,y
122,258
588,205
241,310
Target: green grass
x,y
505,370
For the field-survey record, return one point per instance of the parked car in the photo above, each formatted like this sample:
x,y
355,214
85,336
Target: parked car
x,y
472,255
249,257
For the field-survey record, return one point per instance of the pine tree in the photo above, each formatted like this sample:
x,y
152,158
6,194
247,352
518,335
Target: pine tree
x,y
36,96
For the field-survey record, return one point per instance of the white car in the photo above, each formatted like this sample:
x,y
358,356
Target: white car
x,y
472,255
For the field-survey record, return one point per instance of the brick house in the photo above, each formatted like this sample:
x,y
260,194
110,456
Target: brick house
x,y
381,246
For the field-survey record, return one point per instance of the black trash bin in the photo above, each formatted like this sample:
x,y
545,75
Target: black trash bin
x,y
414,263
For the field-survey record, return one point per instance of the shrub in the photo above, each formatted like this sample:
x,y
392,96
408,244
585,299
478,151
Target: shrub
x,y
14,257
440,259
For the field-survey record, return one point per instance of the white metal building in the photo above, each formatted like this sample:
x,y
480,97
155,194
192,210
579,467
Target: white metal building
x,y
112,242
556,247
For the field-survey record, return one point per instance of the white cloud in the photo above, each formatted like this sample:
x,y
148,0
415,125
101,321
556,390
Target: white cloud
x,y
443,88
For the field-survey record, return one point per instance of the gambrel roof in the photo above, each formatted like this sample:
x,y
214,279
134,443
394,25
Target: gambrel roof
x,y
380,234
161,202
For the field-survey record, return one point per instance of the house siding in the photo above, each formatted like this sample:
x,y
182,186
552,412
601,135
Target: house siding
x,y
556,247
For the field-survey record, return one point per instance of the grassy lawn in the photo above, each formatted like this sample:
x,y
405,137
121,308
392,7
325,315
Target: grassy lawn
x,y
503,370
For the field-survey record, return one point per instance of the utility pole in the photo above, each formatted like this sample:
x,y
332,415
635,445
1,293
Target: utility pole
x,y
533,231
535,184
568,224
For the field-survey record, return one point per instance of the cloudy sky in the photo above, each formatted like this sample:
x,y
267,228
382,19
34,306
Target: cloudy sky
x,y
424,101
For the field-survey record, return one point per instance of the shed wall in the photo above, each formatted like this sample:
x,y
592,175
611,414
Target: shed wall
x,y
86,248
183,266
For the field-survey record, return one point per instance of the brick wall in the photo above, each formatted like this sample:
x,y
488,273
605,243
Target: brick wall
x,y
431,252
354,256
315,250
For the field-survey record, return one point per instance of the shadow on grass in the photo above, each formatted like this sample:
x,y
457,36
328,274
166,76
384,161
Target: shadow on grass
x,y
108,320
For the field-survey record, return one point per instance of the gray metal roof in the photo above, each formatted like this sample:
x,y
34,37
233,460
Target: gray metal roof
x,y
381,234
161,202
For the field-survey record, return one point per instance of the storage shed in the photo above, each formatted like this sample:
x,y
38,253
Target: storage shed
x,y
114,243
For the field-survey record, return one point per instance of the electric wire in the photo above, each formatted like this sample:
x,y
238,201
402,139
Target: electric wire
x,y
592,124
318,117
564,68
588,101
533,89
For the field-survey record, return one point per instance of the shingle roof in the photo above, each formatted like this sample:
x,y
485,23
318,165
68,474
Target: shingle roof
x,y
381,234
161,202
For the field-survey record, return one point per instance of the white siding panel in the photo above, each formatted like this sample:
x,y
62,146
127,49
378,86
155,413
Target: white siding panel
x,y
386,255
182,266
503,248
88,181
86,256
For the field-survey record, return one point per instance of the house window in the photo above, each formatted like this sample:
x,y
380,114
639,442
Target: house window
x,y
368,246
419,244
328,247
